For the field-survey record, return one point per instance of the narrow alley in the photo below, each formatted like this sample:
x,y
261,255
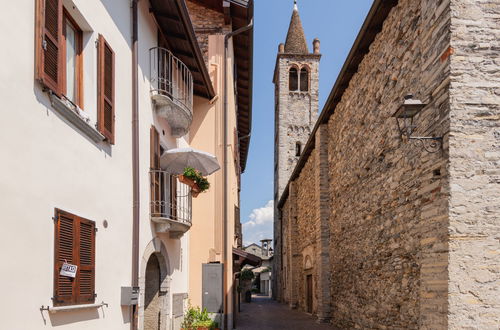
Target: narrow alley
x,y
263,313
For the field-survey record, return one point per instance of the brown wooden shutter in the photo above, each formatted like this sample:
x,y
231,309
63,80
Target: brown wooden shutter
x,y
48,44
74,244
86,272
106,90
64,287
156,176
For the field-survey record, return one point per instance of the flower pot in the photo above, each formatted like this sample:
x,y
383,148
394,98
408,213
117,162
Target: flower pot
x,y
186,181
195,190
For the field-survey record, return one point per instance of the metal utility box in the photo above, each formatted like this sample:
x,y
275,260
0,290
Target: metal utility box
x,y
212,287
130,295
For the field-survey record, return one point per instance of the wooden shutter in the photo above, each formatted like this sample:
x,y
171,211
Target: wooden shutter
x,y
156,176
48,44
106,90
74,244
64,287
86,256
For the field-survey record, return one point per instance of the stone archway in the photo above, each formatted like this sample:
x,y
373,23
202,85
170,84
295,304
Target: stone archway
x,y
154,285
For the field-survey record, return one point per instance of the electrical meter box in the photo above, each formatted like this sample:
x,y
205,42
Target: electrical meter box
x,y
130,295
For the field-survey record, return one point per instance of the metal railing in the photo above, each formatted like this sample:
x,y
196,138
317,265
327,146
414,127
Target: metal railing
x,y
171,77
170,199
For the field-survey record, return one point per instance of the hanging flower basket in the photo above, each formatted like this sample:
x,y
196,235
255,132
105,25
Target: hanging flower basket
x,y
195,180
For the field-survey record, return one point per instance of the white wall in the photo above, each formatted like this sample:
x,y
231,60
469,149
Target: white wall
x,y
47,163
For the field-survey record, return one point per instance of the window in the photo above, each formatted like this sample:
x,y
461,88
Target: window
x,y
72,47
59,63
74,243
293,79
304,80
298,149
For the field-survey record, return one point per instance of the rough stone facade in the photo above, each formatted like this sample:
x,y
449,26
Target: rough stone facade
x,y
474,260
404,238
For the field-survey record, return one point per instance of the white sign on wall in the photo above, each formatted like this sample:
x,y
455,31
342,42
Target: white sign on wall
x,y
68,270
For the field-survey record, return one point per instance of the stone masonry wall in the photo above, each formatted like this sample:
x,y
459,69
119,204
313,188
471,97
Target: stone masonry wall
x,y
388,237
389,223
307,228
206,21
474,269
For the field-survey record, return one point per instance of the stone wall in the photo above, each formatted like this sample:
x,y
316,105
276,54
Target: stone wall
x,y
474,300
388,224
206,22
307,228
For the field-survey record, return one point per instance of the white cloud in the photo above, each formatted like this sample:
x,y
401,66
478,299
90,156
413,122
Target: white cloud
x,y
259,225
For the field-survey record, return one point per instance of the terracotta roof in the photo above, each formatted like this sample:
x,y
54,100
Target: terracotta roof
x,y
295,39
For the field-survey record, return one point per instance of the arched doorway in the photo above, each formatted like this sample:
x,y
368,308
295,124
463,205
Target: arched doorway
x,y
152,300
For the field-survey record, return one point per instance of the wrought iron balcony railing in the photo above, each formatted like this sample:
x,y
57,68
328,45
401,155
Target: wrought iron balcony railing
x,y
171,90
170,202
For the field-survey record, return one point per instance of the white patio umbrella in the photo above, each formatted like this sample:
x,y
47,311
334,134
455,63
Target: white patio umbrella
x,y
176,160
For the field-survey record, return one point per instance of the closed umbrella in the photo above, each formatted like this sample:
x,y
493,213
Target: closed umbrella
x,y
176,160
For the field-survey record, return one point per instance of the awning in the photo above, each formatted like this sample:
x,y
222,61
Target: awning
x,y
176,160
244,258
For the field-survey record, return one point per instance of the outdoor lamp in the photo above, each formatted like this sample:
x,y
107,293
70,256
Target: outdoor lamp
x,y
405,119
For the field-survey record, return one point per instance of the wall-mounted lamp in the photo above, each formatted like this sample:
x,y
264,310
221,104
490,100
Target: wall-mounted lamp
x,y
405,119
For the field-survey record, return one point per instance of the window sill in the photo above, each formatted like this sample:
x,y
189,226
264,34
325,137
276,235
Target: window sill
x,y
71,307
67,110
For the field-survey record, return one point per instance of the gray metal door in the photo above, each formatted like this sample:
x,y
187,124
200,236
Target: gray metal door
x,y
212,287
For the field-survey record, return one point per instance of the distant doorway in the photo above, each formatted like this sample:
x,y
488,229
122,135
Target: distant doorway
x,y
309,293
152,302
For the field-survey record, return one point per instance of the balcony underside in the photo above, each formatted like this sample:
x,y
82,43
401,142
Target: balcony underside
x,y
178,117
175,228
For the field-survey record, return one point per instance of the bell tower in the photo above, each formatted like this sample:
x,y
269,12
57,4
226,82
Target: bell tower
x,y
296,81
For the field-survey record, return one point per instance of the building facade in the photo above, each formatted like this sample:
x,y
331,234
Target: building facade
x,y
106,90
296,81
390,228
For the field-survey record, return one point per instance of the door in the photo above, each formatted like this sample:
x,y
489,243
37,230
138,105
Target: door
x,y
152,308
309,293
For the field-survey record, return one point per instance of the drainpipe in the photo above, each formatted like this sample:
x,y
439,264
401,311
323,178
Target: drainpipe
x,y
135,164
225,116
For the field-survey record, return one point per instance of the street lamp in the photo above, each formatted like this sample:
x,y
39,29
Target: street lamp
x,y
406,124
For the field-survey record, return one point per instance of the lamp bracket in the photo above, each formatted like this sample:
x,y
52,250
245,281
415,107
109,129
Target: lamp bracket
x,y
430,144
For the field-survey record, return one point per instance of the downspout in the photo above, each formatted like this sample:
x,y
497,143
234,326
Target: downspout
x,y
135,164
225,116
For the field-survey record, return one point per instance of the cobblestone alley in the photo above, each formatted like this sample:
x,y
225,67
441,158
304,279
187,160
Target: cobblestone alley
x,y
263,313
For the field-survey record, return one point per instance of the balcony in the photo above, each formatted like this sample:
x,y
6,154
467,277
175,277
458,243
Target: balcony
x,y
171,90
170,204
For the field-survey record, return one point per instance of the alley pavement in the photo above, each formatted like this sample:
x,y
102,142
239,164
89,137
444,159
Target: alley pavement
x,y
263,313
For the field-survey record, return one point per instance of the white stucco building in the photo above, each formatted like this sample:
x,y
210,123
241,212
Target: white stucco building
x,y
93,92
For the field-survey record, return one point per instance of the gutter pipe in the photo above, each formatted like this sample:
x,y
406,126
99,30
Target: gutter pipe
x,y
135,163
225,116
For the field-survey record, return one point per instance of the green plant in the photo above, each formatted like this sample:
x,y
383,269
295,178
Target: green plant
x,y
247,274
196,176
196,318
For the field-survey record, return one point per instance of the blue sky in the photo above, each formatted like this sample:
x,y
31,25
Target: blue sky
x,y
336,23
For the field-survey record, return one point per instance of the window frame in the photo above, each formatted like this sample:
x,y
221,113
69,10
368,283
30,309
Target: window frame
x,y
293,67
66,17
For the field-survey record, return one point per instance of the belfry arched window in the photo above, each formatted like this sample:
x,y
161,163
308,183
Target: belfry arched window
x,y
304,80
293,79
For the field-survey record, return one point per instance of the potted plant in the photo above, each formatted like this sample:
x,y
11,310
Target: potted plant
x,y
195,180
195,319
